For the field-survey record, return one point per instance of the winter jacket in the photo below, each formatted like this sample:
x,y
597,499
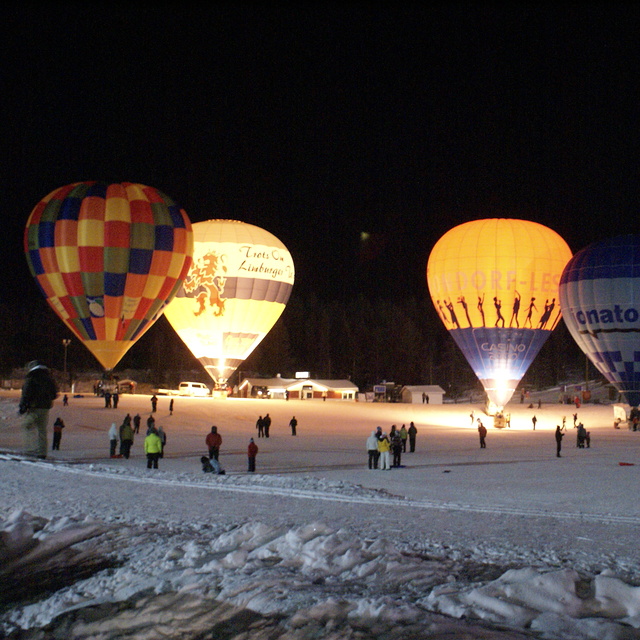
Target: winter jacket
x,y
113,432
213,440
152,443
372,441
383,445
252,449
39,390
126,432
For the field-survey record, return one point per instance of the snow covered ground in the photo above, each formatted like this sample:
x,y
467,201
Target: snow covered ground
x,y
504,542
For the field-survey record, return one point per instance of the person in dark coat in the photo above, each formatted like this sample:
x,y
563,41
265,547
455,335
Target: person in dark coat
x,y
267,425
293,423
136,423
396,449
260,426
412,432
58,426
252,452
559,436
154,403
38,393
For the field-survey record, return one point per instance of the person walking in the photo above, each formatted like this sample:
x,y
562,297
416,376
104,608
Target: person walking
x,y
136,423
171,407
153,449
151,423
113,440
412,432
252,452
293,423
126,439
260,427
383,448
154,403
372,450
534,421
38,393
58,426
213,442
482,432
559,436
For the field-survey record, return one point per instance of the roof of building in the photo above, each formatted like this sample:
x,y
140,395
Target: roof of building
x,y
424,388
292,382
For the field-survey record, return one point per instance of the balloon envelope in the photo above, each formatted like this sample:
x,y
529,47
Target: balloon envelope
x,y
108,258
494,283
236,290
600,300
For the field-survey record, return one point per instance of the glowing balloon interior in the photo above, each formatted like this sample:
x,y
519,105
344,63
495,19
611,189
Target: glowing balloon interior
x,y
494,283
108,258
600,300
236,290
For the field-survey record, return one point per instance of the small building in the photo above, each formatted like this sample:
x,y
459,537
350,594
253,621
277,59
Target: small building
x,y
298,389
423,394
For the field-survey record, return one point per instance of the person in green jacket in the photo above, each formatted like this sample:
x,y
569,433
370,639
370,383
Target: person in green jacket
x,y
153,448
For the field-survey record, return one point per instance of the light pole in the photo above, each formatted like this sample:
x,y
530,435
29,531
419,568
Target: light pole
x,y
65,343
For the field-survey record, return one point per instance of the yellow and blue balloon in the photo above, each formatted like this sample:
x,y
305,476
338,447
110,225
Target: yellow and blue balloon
x,y
494,283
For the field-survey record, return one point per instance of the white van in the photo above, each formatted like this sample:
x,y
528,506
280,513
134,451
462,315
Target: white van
x,y
193,389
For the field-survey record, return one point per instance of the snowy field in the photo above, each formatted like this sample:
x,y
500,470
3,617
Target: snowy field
x,y
461,542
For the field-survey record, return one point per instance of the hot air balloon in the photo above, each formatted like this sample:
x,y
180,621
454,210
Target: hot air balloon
x,y
494,283
108,258
600,301
236,290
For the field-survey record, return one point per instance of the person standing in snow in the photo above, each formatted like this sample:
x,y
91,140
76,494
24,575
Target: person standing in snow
x,y
372,450
154,403
58,426
293,423
163,439
383,448
396,448
153,449
113,439
559,436
267,425
171,407
126,439
403,436
534,420
482,432
213,442
412,432
260,426
38,393
136,423
252,452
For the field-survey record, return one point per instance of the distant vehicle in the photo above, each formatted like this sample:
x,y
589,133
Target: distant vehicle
x,y
197,389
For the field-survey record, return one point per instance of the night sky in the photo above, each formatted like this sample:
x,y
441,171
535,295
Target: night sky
x,y
320,121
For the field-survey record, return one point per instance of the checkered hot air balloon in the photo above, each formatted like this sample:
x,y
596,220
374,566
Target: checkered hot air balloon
x,y
108,258
234,293
494,283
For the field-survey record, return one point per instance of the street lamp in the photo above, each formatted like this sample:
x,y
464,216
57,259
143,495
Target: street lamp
x,y
65,343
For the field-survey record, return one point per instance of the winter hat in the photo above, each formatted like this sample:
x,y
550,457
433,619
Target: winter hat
x,y
250,439
34,364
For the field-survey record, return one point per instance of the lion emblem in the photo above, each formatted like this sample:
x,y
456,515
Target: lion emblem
x,y
206,281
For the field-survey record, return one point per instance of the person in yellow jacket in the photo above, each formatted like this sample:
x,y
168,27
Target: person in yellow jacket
x,y
383,448
153,448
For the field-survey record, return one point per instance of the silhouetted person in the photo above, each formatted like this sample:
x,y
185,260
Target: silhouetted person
x,y
559,436
498,305
516,310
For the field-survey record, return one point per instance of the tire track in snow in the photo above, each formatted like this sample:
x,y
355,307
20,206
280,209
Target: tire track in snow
x,y
328,496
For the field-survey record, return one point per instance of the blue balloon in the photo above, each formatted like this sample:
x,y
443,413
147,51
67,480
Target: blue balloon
x,y
600,302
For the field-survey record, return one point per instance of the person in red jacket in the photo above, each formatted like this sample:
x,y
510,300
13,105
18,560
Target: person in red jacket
x,y
252,451
213,441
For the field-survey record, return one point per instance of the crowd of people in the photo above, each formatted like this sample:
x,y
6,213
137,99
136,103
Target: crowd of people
x,y
385,451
